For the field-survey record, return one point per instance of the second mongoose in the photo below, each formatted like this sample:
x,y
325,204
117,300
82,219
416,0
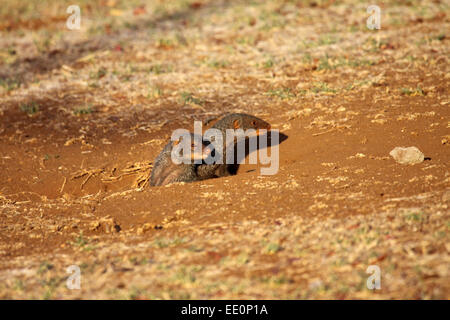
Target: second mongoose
x,y
232,121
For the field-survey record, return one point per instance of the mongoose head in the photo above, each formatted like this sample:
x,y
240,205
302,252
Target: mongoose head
x,y
196,153
166,171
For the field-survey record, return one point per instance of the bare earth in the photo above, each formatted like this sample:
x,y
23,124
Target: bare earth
x,y
84,113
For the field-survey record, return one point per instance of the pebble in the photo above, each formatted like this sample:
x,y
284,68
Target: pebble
x,y
410,155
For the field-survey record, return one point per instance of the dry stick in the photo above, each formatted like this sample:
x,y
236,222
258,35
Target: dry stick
x,y
63,185
142,180
111,179
320,133
22,202
86,180
345,186
90,173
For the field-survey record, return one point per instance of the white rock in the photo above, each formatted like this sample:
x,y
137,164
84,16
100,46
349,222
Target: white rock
x,y
315,284
410,155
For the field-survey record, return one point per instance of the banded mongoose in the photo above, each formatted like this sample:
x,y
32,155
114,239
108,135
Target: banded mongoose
x,y
232,121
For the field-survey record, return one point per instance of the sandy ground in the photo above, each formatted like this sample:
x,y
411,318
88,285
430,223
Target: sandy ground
x,y
84,113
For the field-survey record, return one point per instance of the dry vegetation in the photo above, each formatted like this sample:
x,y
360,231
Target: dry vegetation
x,y
84,113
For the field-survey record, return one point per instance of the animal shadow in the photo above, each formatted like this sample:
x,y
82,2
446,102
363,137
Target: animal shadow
x,y
233,168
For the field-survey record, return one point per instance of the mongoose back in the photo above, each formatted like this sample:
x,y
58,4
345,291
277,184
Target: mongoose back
x,y
240,121
232,121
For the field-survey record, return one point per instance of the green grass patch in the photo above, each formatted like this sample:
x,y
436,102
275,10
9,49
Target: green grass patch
x,y
327,63
160,68
83,110
324,40
282,93
321,87
272,248
188,98
83,243
218,64
100,73
248,40
10,84
44,267
165,243
154,92
268,63
412,91
30,108
415,216
18,285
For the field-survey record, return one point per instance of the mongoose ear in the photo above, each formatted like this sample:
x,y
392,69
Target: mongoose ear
x,y
208,123
236,124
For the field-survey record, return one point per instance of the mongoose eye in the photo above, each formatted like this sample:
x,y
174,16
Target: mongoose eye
x,y
254,123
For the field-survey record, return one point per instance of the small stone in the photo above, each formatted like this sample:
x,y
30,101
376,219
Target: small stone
x,y
446,140
145,227
95,225
108,224
379,121
410,155
315,284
